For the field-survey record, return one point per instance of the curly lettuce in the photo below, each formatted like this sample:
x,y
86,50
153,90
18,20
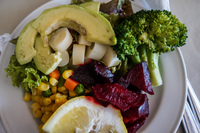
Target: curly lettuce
x,y
27,76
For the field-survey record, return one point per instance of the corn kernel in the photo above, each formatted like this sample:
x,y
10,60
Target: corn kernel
x,y
72,93
45,118
27,96
37,113
65,92
53,81
49,113
52,97
38,92
62,89
40,128
60,100
55,107
36,98
48,108
58,95
87,91
47,101
41,100
43,86
67,73
43,109
35,106
54,89
33,91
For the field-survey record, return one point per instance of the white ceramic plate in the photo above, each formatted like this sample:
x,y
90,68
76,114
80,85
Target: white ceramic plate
x,y
166,106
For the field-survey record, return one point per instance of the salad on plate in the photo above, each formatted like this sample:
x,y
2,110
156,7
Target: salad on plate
x,y
90,66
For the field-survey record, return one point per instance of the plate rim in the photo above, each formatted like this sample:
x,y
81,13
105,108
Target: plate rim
x,y
61,2
185,86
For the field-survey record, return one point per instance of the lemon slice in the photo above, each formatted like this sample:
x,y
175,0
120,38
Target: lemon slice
x,y
84,115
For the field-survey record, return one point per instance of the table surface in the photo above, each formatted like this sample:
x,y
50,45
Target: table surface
x,y
12,12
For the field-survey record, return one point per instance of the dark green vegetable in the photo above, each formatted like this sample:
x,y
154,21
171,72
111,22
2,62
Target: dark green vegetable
x,y
47,93
80,89
123,68
144,35
61,80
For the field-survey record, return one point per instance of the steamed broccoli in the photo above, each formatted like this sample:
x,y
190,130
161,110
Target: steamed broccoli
x,y
143,36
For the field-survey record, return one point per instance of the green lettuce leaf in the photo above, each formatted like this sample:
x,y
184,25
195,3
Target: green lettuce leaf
x,y
27,76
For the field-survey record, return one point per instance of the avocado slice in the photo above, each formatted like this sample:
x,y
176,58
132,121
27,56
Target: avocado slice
x,y
24,49
88,23
94,6
45,60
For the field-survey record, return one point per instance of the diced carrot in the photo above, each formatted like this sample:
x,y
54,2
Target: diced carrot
x,y
70,84
55,74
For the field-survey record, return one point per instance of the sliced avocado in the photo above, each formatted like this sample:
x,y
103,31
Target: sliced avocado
x,y
45,60
92,25
24,49
94,6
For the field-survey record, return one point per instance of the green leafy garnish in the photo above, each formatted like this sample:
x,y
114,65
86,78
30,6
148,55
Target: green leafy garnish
x,y
27,76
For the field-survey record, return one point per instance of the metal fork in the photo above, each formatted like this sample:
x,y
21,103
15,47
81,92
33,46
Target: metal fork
x,y
191,117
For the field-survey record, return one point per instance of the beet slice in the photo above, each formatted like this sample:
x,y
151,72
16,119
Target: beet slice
x,y
123,82
133,114
100,72
134,89
139,77
136,125
118,95
83,76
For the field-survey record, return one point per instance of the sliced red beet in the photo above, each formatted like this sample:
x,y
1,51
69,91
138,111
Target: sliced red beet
x,y
123,82
83,76
139,77
133,114
136,125
103,103
134,89
118,95
100,72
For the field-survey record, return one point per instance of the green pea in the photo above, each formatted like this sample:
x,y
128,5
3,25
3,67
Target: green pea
x,y
47,93
80,89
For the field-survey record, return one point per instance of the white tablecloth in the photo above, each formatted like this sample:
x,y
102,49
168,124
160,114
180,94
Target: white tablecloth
x,y
12,12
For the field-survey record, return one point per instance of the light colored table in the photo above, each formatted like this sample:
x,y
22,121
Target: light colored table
x,y
12,12
188,11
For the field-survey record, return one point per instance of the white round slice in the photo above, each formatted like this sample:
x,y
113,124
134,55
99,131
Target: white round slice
x,y
65,59
96,51
110,58
78,54
61,40
82,40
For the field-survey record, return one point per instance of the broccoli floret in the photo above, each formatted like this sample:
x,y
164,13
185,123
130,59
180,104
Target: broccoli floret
x,y
143,36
